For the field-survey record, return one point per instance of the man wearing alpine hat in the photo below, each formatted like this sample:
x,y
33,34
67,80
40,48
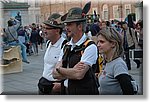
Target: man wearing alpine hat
x,y
72,65
53,29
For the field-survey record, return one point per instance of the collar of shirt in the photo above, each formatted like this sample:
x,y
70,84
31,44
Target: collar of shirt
x,y
83,38
57,43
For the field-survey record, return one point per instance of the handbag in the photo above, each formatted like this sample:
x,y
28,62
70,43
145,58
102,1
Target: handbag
x,y
45,86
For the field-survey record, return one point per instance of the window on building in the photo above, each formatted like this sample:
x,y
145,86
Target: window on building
x,y
127,9
105,12
105,15
115,12
37,18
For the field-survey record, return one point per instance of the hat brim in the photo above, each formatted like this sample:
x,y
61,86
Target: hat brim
x,y
74,20
52,25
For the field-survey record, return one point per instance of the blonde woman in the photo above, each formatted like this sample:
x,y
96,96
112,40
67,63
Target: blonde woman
x,y
114,79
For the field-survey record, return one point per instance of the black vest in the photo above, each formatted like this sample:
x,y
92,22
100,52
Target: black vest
x,y
85,86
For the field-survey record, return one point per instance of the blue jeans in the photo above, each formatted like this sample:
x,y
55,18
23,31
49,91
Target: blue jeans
x,y
23,49
35,47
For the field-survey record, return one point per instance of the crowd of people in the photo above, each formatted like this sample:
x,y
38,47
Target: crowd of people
x,y
72,51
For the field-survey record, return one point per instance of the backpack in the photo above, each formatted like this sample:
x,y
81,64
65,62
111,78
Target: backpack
x,y
96,68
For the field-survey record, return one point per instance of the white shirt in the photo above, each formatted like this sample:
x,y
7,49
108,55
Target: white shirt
x,y
40,33
51,58
89,34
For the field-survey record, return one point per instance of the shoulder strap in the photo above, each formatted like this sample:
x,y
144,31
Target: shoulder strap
x,y
66,50
87,43
64,42
47,44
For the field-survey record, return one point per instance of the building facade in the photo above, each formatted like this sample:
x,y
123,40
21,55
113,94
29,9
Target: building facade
x,y
36,11
106,9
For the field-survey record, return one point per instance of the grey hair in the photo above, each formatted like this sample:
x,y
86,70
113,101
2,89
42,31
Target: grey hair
x,y
83,25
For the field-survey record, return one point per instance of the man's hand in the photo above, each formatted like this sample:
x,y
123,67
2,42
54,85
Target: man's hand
x,y
56,74
57,87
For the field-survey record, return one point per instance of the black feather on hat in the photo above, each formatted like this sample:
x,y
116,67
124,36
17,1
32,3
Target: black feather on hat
x,y
87,7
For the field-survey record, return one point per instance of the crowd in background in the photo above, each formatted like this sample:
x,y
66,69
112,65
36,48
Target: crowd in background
x,y
132,35
32,35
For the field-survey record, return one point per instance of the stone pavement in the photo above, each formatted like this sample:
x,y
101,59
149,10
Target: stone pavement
x,y
26,82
